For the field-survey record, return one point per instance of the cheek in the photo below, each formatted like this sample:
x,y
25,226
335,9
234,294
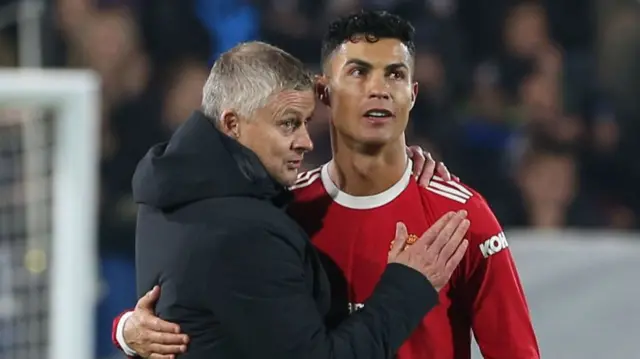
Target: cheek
x,y
257,138
345,95
404,95
345,106
279,147
274,145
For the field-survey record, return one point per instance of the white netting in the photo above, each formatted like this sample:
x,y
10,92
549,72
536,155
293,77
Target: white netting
x,y
49,127
26,140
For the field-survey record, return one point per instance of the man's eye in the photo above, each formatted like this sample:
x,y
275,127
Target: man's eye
x,y
356,72
290,124
397,75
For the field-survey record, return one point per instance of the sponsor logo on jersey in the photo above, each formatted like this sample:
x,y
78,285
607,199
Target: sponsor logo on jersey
x,y
449,189
494,245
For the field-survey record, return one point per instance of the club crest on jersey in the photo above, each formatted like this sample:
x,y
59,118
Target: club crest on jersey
x,y
410,240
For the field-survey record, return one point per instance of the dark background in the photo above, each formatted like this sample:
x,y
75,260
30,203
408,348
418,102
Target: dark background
x,y
534,104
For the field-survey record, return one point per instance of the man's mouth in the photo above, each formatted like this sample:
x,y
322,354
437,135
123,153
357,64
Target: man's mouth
x,y
378,114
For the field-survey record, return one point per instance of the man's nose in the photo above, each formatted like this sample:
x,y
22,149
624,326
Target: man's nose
x,y
303,142
378,88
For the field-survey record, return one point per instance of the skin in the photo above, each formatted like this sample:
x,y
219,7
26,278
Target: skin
x,y
372,156
277,132
368,155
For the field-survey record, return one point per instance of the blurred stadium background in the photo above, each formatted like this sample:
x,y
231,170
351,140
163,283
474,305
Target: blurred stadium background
x,y
534,103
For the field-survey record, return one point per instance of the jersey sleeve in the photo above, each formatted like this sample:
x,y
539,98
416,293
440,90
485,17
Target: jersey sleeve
x,y
117,332
496,301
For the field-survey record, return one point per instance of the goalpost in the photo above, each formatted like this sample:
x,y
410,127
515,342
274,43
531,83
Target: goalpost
x,y
49,141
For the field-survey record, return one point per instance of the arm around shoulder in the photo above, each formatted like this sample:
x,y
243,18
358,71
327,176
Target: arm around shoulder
x,y
259,291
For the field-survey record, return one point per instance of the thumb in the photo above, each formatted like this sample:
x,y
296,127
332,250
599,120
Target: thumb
x,y
399,241
148,301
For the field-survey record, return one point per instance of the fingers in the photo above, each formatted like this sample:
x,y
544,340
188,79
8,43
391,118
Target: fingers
x,y
157,336
443,172
168,339
457,256
155,324
429,170
431,234
397,245
148,301
454,242
409,152
416,154
446,233
425,167
167,349
161,356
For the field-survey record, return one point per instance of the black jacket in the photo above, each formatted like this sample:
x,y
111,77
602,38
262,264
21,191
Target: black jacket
x,y
237,274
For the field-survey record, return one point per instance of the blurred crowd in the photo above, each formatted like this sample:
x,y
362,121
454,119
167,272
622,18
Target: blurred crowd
x,y
536,104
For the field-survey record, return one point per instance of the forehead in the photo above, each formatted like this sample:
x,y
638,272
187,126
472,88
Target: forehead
x,y
378,53
302,102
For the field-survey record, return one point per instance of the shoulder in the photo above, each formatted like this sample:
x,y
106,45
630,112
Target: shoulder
x,y
309,185
242,221
307,178
444,196
227,237
454,195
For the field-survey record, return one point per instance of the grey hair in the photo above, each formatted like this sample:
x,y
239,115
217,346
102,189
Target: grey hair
x,y
245,77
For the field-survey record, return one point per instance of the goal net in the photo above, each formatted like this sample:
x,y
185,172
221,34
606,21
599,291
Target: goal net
x,y
48,191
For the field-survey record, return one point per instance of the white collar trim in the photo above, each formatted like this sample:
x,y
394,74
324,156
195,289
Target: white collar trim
x,y
365,202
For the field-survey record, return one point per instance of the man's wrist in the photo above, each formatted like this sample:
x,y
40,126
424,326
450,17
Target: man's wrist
x,y
120,335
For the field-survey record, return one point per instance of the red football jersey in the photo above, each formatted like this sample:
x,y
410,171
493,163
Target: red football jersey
x,y
484,294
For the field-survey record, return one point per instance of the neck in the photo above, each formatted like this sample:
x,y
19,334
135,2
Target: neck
x,y
362,171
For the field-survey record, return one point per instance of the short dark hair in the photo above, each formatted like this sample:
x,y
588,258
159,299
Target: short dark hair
x,y
372,26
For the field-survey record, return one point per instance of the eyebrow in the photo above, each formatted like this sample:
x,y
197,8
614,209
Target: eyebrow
x,y
296,113
367,65
291,111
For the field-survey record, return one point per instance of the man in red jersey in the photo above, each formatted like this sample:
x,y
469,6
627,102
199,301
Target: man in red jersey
x,y
367,187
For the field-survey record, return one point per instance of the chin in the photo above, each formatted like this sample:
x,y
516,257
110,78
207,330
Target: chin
x,y
376,136
375,140
288,178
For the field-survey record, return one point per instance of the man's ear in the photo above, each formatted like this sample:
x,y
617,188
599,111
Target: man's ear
x,y
414,94
322,90
230,124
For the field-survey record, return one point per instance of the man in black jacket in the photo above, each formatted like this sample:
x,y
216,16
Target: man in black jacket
x,y
237,274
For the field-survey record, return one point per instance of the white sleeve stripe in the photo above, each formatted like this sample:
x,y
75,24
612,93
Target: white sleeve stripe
x,y
455,184
120,335
460,187
462,200
305,183
448,189
306,175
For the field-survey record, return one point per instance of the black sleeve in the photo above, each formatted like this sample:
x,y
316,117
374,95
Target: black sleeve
x,y
256,286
